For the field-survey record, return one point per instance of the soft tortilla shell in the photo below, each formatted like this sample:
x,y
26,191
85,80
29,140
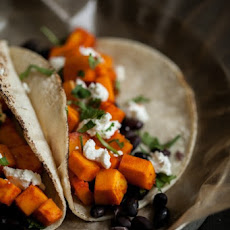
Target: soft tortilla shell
x,y
148,72
11,90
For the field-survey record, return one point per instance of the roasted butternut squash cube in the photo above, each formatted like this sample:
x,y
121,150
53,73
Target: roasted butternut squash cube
x,y
68,86
8,192
5,152
48,213
110,187
115,161
73,118
81,190
137,171
30,199
74,141
26,159
116,113
83,168
107,83
9,135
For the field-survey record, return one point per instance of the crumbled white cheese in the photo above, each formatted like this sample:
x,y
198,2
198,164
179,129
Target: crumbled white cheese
x,y
2,71
57,62
2,115
23,178
76,147
26,87
1,156
100,155
136,111
120,72
80,82
86,51
161,163
103,126
120,153
98,91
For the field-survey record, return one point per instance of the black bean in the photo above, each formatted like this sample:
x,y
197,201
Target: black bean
x,y
166,152
123,221
31,45
131,206
132,123
128,133
97,211
161,217
44,52
135,141
119,228
155,149
160,200
141,155
141,222
91,185
179,156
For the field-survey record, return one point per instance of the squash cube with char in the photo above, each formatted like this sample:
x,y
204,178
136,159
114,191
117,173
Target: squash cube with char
x,y
73,118
8,192
110,187
83,168
81,190
48,213
26,159
75,141
68,86
137,171
30,199
5,152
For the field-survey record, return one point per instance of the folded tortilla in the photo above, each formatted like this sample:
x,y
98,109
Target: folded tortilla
x,y
172,108
14,95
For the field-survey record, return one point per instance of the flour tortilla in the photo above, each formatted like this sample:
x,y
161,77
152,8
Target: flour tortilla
x,y
172,108
13,93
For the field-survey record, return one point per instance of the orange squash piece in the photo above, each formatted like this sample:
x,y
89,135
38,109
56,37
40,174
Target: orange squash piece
x,y
5,152
110,187
9,135
30,199
26,159
73,118
48,213
138,171
116,113
107,83
68,86
115,161
74,141
81,190
8,192
83,168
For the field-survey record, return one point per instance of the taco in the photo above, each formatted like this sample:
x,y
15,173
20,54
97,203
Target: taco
x,y
28,177
92,144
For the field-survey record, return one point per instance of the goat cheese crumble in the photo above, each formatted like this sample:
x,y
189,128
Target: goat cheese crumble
x,y
80,82
57,62
136,111
104,126
161,163
23,178
86,51
98,91
100,155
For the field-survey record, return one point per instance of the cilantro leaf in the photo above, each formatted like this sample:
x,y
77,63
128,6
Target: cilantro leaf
x,y
170,143
80,92
163,179
141,99
88,112
81,73
110,127
34,224
120,144
50,35
4,161
93,61
94,102
25,74
89,125
81,141
105,144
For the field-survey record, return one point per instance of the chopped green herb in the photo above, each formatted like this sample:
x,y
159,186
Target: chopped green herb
x,y
89,125
34,224
110,127
120,144
25,74
50,35
118,85
163,179
80,92
4,161
93,61
81,141
153,142
70,102
105,144
141,99
88,112
94,102
143,150
81,73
